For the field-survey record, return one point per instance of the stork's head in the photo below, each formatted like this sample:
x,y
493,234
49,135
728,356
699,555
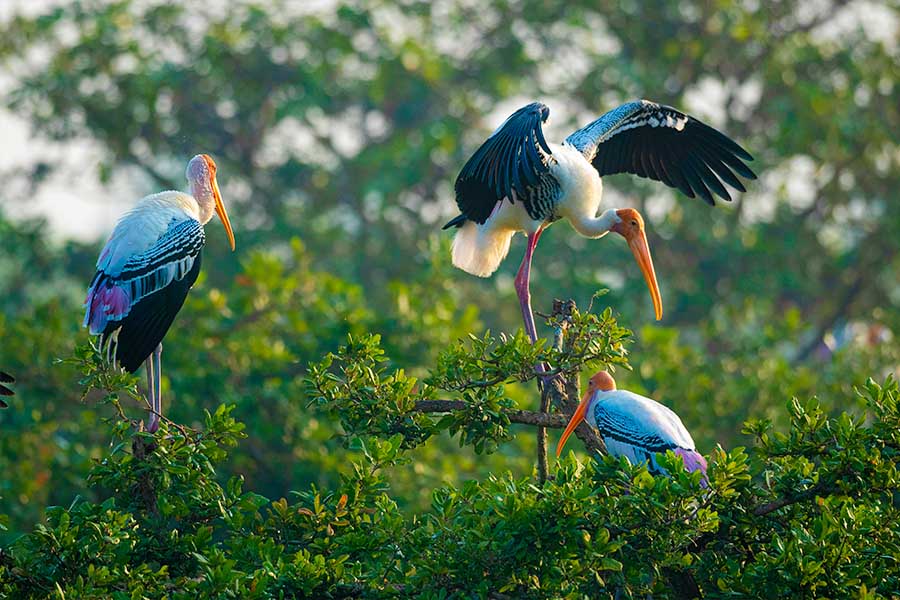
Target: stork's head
x,y
600,382
201,176
630,225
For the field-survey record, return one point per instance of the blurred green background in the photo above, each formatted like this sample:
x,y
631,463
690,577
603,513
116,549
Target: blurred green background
x,y
339,128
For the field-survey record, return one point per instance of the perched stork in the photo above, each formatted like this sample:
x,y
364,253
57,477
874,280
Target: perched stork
x,y
633,426
149,263
5,391
516,181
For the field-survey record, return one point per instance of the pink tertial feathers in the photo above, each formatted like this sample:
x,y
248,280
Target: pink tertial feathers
x,y
106,302
693,461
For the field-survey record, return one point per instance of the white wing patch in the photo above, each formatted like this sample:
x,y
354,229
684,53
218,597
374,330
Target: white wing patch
x,y
659,118
640,113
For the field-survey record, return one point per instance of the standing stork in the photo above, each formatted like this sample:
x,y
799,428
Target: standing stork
x,y
149,263
634,426
5,391
516,181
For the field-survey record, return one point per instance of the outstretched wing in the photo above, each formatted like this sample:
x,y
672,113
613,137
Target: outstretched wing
x,y
512,163
664,144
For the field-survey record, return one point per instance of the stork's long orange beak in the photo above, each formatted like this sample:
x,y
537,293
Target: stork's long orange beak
x,y
220,210
576,419
641,251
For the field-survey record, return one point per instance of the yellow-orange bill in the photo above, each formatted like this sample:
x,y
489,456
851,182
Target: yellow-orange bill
x,y
641,250
577,418
220,210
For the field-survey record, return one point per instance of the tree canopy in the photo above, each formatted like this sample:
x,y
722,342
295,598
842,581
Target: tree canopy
x,y
351,416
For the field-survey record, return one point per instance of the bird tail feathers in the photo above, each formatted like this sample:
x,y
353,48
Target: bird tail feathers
x,y
694,461
479,250
457,221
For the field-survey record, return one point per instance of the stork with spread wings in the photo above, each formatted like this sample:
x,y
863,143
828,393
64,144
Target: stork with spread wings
x,y
516,181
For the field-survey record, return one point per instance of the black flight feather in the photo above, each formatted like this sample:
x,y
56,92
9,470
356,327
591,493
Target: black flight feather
x,y
664,144
146,324
512,159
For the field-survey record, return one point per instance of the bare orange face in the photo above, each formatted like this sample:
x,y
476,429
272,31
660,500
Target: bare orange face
x,y
600,382
632,222
217,196
631,227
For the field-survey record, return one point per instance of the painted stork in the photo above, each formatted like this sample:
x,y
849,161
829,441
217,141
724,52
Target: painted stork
x,y
633,426
149,263
545,182
5,391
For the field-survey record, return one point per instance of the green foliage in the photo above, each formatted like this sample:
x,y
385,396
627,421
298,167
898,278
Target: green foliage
x,y
353,385
810,512
367,401
356,359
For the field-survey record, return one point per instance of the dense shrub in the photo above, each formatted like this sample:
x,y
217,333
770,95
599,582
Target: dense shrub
x,y
810,512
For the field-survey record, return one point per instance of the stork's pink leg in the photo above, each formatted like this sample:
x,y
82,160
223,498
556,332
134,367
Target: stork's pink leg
x,y
523,287
156,390
151,380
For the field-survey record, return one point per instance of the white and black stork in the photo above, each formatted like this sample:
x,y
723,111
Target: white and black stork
x,y
634,426
144,272
516,181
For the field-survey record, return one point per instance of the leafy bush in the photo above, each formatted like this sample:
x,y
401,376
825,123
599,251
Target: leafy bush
x,y
809,512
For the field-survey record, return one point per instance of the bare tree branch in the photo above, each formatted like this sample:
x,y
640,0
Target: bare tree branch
x,y
821,488
523,417
160,179
840,308
563,312
557,391
559,397
867,268
144,486
542,438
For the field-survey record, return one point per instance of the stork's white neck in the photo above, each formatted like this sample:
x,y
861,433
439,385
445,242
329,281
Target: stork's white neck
x,y
582,192
202,192
591,415
595,227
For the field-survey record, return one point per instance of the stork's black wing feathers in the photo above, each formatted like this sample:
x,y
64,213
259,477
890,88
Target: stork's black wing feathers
x,y
514,158
5,391
664,144
146,324
622,429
